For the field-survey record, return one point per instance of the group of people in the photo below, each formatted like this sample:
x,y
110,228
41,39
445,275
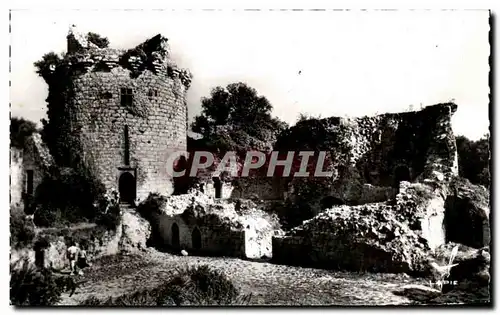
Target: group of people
x,y
77,258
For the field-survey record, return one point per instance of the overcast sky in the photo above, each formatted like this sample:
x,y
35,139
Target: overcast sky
x,y
350,62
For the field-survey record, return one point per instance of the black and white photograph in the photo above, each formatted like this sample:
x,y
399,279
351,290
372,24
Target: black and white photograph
x,y
240,158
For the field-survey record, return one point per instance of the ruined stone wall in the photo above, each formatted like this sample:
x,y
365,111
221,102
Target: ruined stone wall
x,y
36,158
236,228
215,239
262,188
16,176
30,163
130,236
389,236
97,118
378,150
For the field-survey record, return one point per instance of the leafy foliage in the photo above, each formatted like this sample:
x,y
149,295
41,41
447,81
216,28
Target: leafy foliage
x,y
305,116
98,40
20,130
34,287
150,207
22,231
56,133
46,66
189,286
73,198
474,160
231,117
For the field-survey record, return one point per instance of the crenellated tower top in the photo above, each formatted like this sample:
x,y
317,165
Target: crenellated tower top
x,y
154,55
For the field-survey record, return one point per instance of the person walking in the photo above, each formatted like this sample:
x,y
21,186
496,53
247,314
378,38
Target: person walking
x,y
72,255
82,258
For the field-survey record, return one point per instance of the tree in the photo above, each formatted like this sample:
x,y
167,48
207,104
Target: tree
x,y
236,116
45,67
20,130
306,116
474,160
98,40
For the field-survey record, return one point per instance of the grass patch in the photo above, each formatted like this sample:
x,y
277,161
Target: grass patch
x,y
188,286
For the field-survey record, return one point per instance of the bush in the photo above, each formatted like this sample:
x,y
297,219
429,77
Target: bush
x,y
110,219
67,198
98,40
190,286
150,207
74,198
22,230
33,287
474,160
20,130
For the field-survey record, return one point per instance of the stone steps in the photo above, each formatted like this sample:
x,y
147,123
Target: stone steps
x,y
126,206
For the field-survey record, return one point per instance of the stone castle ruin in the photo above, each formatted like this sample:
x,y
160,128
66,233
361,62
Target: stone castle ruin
x,y
370,156
122,111
119,114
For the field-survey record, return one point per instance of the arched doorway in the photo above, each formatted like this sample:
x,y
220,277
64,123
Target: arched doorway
x,y
175,236
196,238
401,173
127,187
217,186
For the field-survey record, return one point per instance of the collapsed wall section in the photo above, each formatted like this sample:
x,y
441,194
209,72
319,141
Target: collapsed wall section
x,y
206,226
392,236
378,151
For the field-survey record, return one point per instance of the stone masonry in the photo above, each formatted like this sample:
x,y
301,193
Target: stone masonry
x,y
370,155
127,112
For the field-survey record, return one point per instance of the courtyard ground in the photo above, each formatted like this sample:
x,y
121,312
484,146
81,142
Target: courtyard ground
x,y
268,284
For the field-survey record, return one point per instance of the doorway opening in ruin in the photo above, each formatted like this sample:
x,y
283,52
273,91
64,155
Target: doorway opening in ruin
x,y
329,202
175,236
39,249
29,182
127,187
39,258
401,174
461,226
196,238
217,186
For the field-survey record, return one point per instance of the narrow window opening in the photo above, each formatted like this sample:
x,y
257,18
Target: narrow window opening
x,y
106,95
175,236
217,186
127,97
152,94
196,238
127,146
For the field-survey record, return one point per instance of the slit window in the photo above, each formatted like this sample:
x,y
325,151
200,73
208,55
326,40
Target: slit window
x,y
127,97
106,95
152,94
127,148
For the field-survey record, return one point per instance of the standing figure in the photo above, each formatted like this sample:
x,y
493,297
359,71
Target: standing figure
x,y
72,255
82,258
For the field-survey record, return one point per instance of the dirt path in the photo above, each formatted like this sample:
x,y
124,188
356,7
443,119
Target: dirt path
x,y
268,283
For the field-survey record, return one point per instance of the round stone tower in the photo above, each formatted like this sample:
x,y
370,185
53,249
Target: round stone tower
x,y
124,113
